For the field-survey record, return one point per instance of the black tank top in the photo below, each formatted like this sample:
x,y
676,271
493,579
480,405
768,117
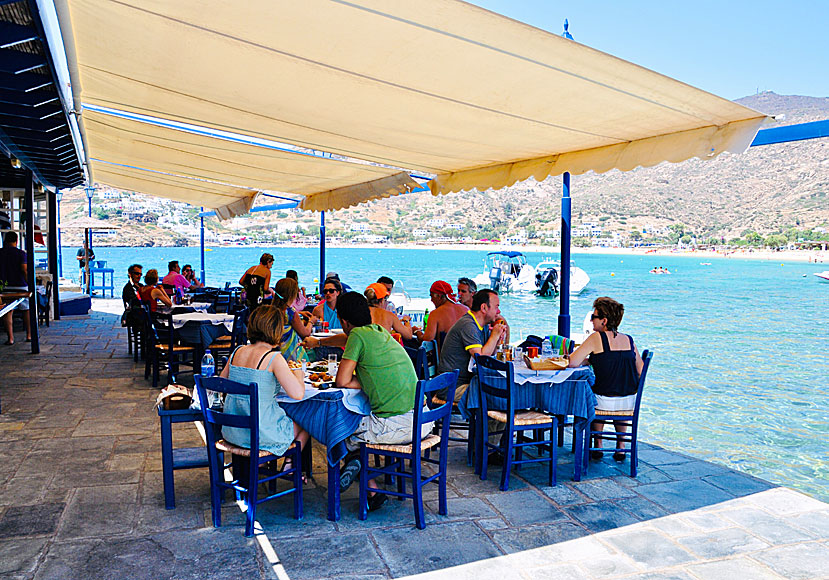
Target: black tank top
x,y
254,290
615,370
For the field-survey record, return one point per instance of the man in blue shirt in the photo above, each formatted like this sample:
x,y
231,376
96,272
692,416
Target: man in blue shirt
x,y
13,273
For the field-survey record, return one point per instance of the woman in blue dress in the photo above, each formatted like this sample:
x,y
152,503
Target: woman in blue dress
x,y
262,363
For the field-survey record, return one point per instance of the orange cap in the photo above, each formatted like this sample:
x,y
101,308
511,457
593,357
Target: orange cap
x,y
380,291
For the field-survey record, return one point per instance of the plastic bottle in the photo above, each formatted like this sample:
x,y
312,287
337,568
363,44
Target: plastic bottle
x,y
546,348
208,369
425,319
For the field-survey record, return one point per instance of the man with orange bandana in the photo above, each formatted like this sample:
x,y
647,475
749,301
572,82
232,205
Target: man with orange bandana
x,y
446,312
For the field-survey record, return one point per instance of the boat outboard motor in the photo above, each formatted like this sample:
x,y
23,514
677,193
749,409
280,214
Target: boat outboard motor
x,y
549,285
495,278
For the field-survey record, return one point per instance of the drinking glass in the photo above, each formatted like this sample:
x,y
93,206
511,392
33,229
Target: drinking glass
x,y
332,364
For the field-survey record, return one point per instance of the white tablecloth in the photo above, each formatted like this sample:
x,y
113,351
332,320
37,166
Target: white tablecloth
x,y
180,320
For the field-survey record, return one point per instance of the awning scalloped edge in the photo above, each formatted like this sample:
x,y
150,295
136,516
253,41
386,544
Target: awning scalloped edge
x,y
705,143
354,194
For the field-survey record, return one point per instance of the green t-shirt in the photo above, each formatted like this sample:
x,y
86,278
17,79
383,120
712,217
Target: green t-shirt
x,y
384,370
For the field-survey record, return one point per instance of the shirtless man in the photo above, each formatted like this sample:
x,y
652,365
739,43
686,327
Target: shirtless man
x,y
446,312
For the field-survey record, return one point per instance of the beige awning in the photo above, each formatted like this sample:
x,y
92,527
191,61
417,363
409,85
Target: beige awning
x,y
437,86
225,174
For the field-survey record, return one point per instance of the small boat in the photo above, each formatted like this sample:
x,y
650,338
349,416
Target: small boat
x,y
507,271
823,275
548,278
415,308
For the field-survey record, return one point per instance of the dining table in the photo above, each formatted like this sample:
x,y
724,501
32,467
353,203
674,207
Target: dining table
x,y
330,416
564,392
201,329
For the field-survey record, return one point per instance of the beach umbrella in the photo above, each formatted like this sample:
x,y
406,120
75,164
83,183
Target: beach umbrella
x,y
88,225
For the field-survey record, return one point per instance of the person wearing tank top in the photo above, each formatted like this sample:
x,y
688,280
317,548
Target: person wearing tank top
x,y
262,363
616,364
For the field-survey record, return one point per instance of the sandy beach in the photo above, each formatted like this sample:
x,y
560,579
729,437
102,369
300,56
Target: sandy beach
x,y
814,256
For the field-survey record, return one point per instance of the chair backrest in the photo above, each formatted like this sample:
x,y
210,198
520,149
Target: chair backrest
x,y
495,379
162,329
647,355
422,415
238,334
440,338
220,418
430,359
222,301
414,354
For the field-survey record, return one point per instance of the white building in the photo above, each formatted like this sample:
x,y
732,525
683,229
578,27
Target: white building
x,y
436,223
420,233
362,228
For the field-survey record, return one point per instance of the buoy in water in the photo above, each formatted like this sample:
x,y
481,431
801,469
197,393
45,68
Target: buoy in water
x,y
612,273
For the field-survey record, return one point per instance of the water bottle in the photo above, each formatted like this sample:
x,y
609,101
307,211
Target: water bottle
x,y
546,348
208,369
425,319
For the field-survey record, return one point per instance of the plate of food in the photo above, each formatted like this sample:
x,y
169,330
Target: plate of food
x,y
318,368
323,334
294,364
546,364
321,381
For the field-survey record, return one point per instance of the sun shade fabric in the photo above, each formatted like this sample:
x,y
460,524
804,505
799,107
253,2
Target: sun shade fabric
x,y
437,86
325,183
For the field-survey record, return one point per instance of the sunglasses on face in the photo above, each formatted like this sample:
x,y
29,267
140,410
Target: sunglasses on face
x,y
595,317
329,290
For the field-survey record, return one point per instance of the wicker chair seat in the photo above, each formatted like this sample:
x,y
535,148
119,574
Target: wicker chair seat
x,y
521,417
176,347
226,338
227,447
426,443
219,345
600,412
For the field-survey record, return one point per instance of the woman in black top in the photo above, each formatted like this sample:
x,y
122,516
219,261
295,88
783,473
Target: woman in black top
x,y
616,364
257,282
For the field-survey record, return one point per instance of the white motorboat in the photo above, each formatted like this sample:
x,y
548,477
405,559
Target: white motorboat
x,y
548,278
507,271
823,275
415,308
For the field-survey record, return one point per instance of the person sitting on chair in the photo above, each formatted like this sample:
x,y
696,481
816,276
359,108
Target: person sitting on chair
x,y
376,295
151,293
446,313
616,364
374,362
466,291
261,362
469,336
130,295
190,276
174,277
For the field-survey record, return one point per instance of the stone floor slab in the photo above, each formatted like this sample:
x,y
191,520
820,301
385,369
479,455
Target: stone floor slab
x,y
327,556
650,549
522,508
733,569
436,547
683,495
722,543
800,561
601,516
30,520
19,556
520,539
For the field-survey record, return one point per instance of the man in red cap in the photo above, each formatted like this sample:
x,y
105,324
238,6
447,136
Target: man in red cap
x,y
446,312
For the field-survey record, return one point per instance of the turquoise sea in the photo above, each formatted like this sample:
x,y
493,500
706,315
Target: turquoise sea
x,y
740,371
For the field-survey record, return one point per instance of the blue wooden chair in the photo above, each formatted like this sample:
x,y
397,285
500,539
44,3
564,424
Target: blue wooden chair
x,y
629,419
224,345
497,381
396,455
254,456
163,347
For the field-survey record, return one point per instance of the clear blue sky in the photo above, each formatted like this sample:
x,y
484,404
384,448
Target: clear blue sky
x,y
732,48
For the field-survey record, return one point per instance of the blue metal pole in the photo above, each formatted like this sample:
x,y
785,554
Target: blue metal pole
x,y
322,249
201,245
59,195
564,294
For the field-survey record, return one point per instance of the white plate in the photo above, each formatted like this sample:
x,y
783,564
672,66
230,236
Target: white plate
x,y
323,334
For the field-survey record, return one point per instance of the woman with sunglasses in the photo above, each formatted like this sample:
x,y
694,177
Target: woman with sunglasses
x,y
327,310
616,364
190,275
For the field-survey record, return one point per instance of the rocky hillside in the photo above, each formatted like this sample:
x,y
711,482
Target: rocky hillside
x,y
766,189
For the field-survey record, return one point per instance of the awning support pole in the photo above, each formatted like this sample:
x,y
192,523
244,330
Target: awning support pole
x,y
29,202
201,245
54,252
564,293
60,250
322,250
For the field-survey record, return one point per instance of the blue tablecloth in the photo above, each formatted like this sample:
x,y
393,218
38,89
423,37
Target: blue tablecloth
x,y
570,397
327,420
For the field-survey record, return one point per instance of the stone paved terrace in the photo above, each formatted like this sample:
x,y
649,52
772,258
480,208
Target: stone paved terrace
x,y
81,497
